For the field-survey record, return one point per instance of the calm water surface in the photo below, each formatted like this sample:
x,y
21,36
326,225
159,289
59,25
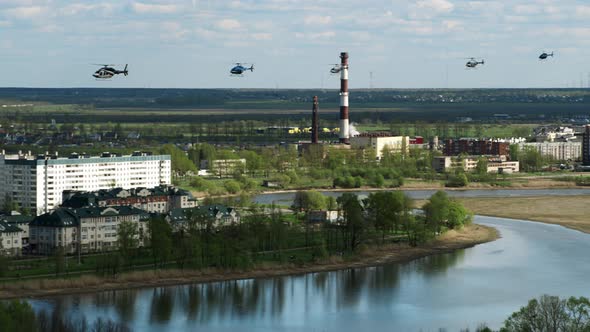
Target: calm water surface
x,y
282,198
481,284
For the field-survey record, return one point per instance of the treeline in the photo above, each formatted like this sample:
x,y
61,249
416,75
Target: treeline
x,y
273,234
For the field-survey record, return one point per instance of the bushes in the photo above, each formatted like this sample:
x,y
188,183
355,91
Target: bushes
x,y
457,180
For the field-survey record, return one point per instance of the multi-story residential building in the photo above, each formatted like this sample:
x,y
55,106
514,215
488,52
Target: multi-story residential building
x,y
37,183
557,150
87,229
586,146
160,199
475,147
22,222
496,164
380,141
10,239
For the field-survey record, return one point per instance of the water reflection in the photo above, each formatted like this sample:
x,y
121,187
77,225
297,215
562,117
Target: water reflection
x,y
481,284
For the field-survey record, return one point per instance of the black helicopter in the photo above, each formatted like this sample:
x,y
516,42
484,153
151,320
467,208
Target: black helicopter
x,y
107,72
239,69
545,55
472,63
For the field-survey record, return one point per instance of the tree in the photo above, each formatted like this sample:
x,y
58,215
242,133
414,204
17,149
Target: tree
x,y
9,204
17,315
180,161
437,210
482,166
550,313
354,221
309,200
127,239
160,240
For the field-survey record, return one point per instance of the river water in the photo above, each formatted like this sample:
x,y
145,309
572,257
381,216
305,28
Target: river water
x,y
287,198
481,284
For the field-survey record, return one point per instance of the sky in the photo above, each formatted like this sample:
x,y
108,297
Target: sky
x,y
391,43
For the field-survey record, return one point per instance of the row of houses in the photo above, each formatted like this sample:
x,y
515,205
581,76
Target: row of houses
x,y
89,221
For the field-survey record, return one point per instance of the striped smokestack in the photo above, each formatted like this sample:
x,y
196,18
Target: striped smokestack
x,y
315,122
344,130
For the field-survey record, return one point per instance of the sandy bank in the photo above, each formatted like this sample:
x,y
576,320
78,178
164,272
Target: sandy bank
x,y
452,240
569,211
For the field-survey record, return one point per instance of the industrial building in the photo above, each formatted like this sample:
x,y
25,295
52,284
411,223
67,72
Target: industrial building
x,y
556,150
36,183
379,141
475,147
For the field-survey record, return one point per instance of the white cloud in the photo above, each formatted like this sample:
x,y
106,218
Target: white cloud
x,y
145,8
526,9
262,36
317,20
25,12
437,6
79,8
4,24
315,35
228,24
583,12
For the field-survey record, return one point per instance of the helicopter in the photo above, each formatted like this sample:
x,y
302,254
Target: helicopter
x,y
545,55
336,69
472,63
107,72
239,69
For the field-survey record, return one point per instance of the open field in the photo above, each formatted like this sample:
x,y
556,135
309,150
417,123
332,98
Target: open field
x,y
572,212
373,256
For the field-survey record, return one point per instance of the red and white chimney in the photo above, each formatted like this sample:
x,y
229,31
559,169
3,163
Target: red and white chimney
x,y
344,127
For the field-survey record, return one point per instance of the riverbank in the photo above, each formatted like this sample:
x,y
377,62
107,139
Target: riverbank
x,y
571,212
373,256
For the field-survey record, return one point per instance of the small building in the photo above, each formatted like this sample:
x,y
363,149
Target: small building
x,y
22,222
224,167
322,216
379,142
496,164
10,239
209,215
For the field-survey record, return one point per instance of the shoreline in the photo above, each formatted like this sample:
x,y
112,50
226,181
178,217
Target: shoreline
x,y
468,237
473,186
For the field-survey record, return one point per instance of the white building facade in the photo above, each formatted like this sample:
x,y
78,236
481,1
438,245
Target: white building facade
x,y
378,142
557,150
37,183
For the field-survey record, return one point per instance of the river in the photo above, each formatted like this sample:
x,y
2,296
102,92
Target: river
x,y
287,197
481,284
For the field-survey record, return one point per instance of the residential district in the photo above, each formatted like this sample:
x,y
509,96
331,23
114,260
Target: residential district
x,y
77,202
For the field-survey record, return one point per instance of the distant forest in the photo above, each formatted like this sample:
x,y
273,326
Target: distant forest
x,y
373,104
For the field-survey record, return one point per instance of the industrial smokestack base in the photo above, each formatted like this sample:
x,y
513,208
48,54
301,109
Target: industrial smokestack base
x,y
315,122
344,136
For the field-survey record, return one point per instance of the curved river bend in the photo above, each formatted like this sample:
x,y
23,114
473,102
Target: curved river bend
x,y
458,290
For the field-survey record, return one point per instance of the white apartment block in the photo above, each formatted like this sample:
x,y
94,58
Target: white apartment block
x,y
557,150
37,183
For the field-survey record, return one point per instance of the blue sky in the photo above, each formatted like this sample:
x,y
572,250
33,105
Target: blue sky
x,y
193,43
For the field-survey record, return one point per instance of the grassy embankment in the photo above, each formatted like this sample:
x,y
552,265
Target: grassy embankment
x,y
373,256
571,211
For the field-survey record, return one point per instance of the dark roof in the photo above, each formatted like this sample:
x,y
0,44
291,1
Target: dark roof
x,y
68,217
61,217
17,219
209,211
81,198
8,228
